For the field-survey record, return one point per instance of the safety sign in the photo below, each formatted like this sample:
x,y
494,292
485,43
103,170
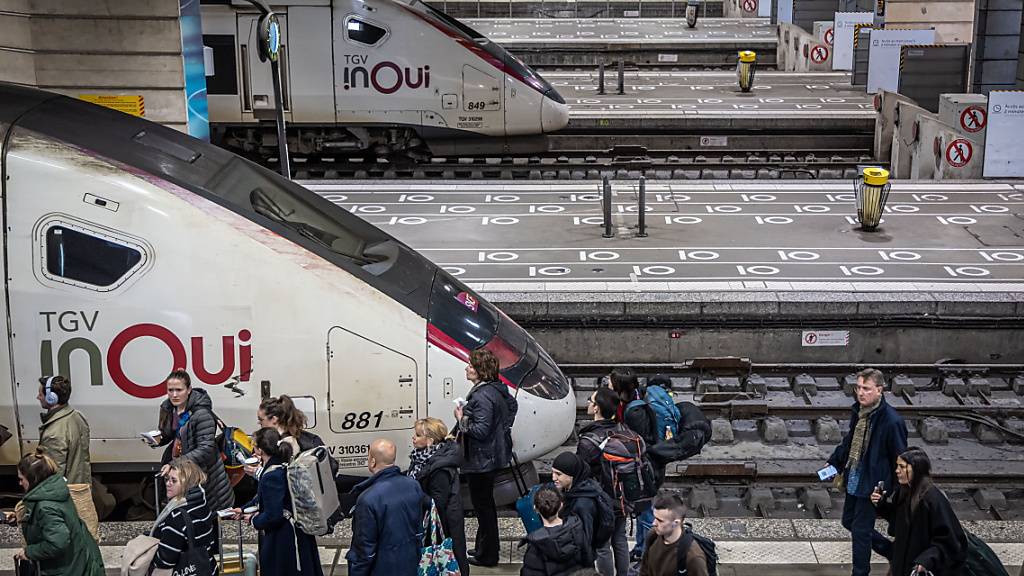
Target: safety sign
x,y
819,54
830,36
750,6
959,153
825,338
973,119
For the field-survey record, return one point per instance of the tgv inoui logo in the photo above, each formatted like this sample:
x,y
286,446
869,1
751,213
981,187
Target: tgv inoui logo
x,y
64,333
385,77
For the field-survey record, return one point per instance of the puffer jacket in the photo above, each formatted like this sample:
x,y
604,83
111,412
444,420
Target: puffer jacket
x,y
198,437
54,534
581,500
65,436
486,428
555,551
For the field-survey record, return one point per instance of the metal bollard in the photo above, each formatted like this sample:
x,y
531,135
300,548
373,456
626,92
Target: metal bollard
x,y
641,216
622,77
691,12
745,69
606,206
600,78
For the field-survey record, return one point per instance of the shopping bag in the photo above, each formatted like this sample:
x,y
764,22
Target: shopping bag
x,y
437,557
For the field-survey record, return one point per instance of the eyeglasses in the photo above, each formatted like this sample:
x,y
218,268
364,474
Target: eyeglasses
x,y
591,401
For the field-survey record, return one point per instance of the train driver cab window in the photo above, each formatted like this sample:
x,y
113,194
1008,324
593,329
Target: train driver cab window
x,y
363,32
84,257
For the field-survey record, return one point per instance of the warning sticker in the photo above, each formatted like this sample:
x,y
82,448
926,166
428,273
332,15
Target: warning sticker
x,y
973,119
134,105
959,153
830,36
825,338
750,6
819,54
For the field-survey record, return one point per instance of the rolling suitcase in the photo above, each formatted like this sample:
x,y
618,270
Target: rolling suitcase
x,y
239,562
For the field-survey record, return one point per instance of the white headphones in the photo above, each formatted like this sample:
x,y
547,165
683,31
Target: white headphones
x,y
48,394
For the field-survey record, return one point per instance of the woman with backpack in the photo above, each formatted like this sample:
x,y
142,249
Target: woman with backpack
x,y
434,463
55,536
284,549
927,534
186,508
585,499
188,428
485,428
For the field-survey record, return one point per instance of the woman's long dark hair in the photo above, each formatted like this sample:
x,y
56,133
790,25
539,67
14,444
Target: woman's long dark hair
x,y
625,384
921,478
269,441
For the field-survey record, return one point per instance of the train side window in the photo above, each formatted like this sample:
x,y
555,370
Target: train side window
x,y
79,256
363,32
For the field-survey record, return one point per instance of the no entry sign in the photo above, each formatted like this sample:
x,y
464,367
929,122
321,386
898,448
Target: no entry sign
x,y
750,6
959,153
819,54
973,119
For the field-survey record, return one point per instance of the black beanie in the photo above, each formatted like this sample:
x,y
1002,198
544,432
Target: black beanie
x,y
569,464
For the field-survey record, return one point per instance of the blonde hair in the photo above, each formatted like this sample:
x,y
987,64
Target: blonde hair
x,y
432,428
190,474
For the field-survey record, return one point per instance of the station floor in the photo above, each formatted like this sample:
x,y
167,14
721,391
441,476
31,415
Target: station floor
x,y
745,546
709,236
556,32
689,100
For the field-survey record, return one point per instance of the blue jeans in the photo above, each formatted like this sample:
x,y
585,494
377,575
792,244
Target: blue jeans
x,y
644,524
859,519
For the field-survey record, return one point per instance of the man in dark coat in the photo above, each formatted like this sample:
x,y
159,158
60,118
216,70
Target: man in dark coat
x,y
866,456
387,523
188,428
582,494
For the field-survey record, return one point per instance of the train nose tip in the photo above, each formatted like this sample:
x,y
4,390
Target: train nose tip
x,y
553,115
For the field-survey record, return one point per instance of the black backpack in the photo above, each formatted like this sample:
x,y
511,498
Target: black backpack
x,y
626,468
604,524
981,560
694,433
689,536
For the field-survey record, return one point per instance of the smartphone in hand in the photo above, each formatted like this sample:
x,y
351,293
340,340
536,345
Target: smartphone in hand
x,y
827,473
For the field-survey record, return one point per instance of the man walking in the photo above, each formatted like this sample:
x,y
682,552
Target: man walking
x,y
387,520
64,435
865,459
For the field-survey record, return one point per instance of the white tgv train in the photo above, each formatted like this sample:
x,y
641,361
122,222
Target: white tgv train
x,y
131,249
379,75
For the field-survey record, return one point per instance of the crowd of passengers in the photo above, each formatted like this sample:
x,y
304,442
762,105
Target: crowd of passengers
x,y
581,516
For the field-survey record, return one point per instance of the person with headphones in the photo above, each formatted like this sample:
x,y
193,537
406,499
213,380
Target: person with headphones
x,y
64,435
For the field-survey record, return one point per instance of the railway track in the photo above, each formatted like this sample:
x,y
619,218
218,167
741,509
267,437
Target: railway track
x,y
595,164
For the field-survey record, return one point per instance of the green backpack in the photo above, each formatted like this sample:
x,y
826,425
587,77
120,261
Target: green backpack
x,y
981,560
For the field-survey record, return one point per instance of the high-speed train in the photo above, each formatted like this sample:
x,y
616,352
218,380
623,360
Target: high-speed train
x,y
131,249
383,76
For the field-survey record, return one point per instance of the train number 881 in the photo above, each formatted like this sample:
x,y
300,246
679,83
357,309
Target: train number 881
x,y
361,420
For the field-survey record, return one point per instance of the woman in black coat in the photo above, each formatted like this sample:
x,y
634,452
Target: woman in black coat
x,y
434,463
189,430
927,533
284,549
485,425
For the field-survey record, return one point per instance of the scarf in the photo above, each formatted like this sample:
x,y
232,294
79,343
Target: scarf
x,y
419,457
171,506
860,440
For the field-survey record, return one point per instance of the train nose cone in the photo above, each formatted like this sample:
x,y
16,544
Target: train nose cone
x,y
553,115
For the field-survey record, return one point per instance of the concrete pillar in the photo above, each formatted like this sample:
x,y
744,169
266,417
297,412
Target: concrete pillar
x,y
98,47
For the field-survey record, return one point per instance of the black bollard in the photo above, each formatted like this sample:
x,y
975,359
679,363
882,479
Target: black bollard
x,y
606,205
641,216
600,78
622,77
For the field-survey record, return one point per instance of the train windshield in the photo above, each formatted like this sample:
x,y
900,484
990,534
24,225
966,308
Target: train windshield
x,y
512,64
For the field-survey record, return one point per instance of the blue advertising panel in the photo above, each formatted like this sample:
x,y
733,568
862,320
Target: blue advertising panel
x,y
195,71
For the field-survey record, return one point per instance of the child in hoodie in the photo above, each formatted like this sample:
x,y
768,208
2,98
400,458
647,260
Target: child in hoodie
x,y
559,548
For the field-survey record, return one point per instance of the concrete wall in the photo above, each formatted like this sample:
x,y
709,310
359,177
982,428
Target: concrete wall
x,y
953,20
796,47
97,47
997,45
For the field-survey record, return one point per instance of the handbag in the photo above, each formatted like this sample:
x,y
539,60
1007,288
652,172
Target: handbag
x,y
138,555
193,561
437,557
26,568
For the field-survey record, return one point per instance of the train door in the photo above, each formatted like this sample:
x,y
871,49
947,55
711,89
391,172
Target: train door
x,y
372,388
481,101
257,82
